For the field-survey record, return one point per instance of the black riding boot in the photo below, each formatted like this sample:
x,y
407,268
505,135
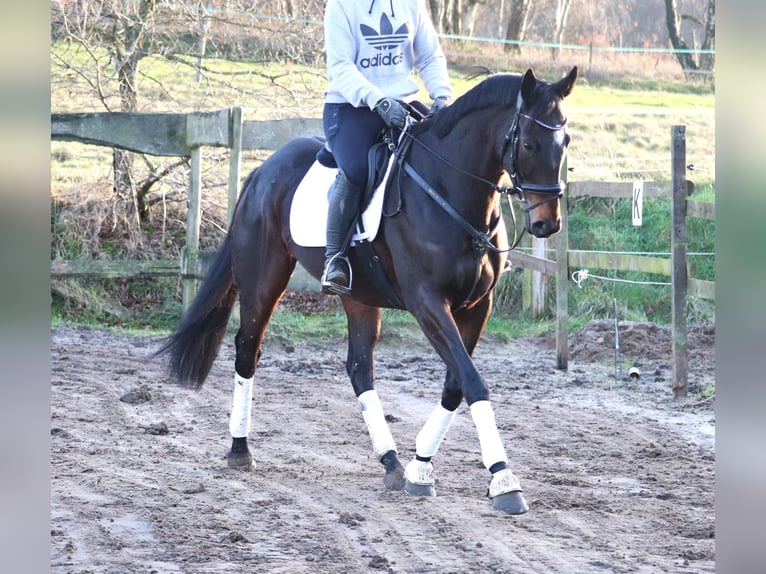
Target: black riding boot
x,y
345,198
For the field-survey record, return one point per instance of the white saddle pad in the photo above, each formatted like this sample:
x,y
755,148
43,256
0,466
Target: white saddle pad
x,y
308,212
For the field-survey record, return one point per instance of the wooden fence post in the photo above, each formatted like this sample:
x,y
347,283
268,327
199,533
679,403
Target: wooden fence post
x,y
235,158
539,280
679,281
527,286
562,281
190,255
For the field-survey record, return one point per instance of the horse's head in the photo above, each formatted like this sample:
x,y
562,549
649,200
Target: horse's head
x,y
535,148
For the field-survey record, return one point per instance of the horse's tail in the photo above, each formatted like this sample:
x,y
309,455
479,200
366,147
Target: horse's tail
x,y
194,344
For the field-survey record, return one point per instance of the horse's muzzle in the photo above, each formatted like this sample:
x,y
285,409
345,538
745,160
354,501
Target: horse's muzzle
x,y
543,228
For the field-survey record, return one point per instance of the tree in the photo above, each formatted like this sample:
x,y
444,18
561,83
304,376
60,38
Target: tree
x,y
129,31
562,13
116,35
517,25
703,65
450,15
470,11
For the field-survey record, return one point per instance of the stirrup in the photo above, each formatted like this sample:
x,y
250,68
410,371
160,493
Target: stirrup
x,y
331,288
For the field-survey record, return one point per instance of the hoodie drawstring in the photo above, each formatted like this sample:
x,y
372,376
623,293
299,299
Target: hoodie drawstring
x,y
390,2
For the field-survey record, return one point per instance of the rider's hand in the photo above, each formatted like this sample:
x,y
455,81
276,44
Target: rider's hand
x,y
439,103
391,111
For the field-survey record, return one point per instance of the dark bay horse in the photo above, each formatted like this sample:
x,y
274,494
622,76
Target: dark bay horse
x,y
442,251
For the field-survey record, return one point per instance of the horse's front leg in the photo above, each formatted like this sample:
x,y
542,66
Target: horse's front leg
x,y
454,339
419,472
363,334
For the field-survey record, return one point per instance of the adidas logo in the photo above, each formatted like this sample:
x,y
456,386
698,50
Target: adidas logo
x,y
386,39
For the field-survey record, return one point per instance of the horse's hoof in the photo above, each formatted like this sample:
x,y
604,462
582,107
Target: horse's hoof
x,y
394,477
419,489
419,478
240,460
394,480
505,492
511,502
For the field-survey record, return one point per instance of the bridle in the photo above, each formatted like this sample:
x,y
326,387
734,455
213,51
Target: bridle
x,y
550,191
517,189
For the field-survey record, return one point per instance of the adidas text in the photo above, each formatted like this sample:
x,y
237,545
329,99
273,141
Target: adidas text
x,y
382,60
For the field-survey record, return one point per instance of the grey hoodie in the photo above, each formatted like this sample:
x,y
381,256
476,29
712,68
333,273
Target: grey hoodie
x,y
373,46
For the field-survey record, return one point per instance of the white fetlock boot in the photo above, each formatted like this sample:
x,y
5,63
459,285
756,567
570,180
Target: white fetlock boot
x,y
419,478
505,493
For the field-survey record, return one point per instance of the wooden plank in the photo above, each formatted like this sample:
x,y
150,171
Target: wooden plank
x,y
273,134
519,259
619,262
618,189
701,209
94,268
208,129
679,275
702,289
156,134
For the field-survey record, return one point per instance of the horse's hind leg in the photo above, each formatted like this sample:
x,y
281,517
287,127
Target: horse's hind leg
x,y
261,278
363,334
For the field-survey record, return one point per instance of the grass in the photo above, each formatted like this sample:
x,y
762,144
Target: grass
x,y
620,128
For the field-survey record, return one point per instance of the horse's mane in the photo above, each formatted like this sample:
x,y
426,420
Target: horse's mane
x,y
496,90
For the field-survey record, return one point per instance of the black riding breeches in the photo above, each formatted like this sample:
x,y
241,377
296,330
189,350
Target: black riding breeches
x,y
350,133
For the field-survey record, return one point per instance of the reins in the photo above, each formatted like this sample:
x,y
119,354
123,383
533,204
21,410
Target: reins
x,y
552,192
482,239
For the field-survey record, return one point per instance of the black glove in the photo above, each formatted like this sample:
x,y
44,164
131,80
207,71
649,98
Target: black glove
x,y
438,103
391,111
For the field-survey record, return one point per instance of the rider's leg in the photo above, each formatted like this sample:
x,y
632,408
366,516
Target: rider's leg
x,y
345,198
350,133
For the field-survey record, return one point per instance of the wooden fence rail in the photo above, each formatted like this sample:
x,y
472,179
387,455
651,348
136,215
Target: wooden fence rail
x,y
179,135
184,134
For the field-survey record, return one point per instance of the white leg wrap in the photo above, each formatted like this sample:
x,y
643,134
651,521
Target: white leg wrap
x,y
492,450
432,433
239,421
372,412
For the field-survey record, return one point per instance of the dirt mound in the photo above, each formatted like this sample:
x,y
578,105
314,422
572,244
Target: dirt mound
x,y
644,345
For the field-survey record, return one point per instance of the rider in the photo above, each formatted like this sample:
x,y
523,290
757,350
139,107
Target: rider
x,y
372,52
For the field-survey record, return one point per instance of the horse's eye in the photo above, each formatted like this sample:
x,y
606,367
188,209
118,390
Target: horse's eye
x,y
528,146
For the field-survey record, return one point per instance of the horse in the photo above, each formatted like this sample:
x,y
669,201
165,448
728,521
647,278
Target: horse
x,y
441,252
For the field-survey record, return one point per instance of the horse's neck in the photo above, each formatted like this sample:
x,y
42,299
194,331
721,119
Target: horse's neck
x,y
469,162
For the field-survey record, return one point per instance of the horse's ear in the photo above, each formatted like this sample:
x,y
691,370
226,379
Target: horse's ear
x,y
528,84
564,85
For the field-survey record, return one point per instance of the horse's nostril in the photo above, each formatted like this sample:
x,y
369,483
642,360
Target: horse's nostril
x,y
544,228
